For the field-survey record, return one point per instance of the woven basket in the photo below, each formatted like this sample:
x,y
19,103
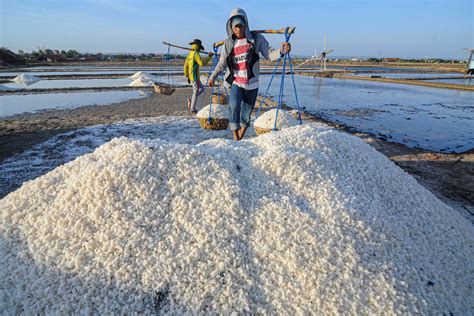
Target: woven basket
x,y
261,131
219,99
214,124
163,89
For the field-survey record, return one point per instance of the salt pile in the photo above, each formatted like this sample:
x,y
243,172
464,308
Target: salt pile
x,y
26,79
142,82
220,111
307,220
267,120
140,74
142,79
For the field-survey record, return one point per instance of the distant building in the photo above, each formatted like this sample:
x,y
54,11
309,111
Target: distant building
x,y
391,60
56,58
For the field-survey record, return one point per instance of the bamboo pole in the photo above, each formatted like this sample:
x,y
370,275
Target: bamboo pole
x,y
291,30
186,48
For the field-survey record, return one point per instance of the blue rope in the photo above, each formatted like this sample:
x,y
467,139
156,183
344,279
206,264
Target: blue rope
x,y
282,84
294,87
214,65
204,88
168,68
268,87
280,95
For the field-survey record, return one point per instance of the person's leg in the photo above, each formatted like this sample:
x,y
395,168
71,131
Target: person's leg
x,y
200,89
248,103
196,87
235,100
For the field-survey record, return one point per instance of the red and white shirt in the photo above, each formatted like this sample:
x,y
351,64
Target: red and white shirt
x,y
241,57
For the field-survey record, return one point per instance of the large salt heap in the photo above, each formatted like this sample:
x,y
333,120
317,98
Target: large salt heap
x,y
304,220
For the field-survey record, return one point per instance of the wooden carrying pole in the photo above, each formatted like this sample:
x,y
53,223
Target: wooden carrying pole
x,y
291,30
186,48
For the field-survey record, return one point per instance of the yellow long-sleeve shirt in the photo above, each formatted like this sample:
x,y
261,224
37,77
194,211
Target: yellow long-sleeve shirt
x,y
193,62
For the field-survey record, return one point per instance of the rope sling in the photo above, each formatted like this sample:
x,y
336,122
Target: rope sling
x,y
215,61
169,75
166,84
286,57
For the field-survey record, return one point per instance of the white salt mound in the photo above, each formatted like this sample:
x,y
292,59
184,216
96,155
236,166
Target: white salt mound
x,y
307,220
26,79
267,120
140,74
218,111
141,82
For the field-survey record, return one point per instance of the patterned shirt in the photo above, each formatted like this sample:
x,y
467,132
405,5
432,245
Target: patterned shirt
x,y
241,57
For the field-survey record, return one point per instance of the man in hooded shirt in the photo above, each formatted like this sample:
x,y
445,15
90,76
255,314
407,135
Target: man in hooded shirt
x,y
240,57
191,72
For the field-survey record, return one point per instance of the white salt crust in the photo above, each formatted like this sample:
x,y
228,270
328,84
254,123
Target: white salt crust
x,y
306,220
140,74
267,120
26,79
217,111
142,82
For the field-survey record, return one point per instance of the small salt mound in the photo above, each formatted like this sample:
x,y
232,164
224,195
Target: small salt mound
x,y
220,111
140,74
267,120
26,79
141,82
304,221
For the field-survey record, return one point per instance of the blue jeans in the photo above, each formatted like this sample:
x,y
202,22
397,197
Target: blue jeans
x,y
242,103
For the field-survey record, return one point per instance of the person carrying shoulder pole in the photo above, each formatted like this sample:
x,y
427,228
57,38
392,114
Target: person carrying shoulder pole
x,y
191,72
240,58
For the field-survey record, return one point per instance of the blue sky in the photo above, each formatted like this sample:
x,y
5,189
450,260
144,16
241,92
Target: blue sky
x,y
385,28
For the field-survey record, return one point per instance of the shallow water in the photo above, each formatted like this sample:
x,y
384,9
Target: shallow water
x,y
440,120
409,75
125,72
469,82
88,83
362,68
73,83
16,104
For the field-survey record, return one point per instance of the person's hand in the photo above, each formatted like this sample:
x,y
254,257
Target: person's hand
x,y
210,83
210,54
285,48
189,81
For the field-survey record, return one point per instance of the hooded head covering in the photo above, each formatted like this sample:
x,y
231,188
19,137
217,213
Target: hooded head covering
x,y
238,12
237,20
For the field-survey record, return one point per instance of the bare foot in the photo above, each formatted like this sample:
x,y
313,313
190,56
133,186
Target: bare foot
x,y
236,135
241,132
